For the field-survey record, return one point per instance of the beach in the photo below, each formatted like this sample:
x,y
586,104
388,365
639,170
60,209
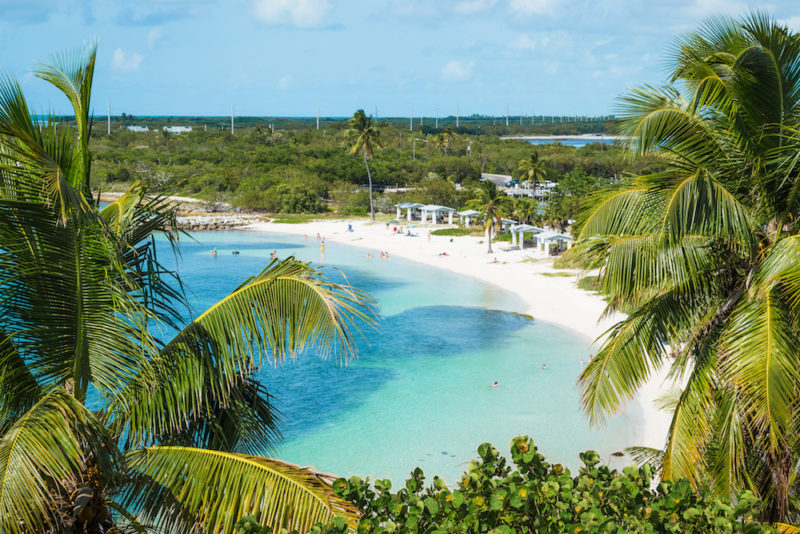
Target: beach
x,y
549,294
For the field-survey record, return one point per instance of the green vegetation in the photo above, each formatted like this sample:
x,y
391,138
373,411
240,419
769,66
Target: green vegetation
x,y
492,204
458,231
84,308
706,256
302,170
534,496
368,138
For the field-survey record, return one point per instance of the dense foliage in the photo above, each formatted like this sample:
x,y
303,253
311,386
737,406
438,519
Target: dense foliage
x,y
534,496
306,170
706,256
118,408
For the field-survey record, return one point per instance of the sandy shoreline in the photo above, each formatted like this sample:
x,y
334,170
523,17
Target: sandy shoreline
x,y
548,294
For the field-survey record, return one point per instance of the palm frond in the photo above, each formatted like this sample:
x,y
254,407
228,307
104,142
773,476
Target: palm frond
x,y
216,489
43,455
759,359
285,309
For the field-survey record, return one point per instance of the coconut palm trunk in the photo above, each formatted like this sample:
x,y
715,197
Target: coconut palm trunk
x,y
369,179
489,234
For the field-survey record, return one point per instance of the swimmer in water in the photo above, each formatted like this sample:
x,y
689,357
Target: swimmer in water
x,y
214,252
369,256
495,385
544,367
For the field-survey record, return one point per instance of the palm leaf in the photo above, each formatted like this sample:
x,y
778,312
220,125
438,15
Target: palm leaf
x,y
759,359
276,314
216,489
43,454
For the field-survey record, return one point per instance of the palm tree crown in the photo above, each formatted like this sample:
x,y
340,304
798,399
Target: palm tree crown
x,y
706,254
533,170
368,138
84,303
492,204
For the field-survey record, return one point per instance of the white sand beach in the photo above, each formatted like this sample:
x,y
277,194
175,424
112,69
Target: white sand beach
x,y
549,295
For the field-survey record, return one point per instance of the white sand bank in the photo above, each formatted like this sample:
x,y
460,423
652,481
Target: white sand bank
x,y
548,294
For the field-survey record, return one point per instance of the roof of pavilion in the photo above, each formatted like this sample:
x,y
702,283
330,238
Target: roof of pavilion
x,y
469,213
549,235
435,208
527,228
404,205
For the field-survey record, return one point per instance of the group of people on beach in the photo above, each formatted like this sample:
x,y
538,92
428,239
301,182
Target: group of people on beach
x,y
384,255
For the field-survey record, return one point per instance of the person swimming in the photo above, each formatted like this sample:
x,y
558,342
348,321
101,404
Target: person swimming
x,y
544,367
495,385
234,252
273,254
214,252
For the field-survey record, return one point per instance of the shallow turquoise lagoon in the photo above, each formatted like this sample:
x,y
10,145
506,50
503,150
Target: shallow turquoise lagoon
x,y
419,393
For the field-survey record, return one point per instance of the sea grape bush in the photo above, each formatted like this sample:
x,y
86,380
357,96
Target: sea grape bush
x,y
537,497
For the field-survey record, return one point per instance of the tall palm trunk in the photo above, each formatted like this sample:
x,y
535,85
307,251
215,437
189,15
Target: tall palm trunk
x,y
369,178
489,230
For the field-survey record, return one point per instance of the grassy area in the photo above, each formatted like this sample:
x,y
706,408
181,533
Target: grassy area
x,y
473,230
558,275
300,218
589,283
570,259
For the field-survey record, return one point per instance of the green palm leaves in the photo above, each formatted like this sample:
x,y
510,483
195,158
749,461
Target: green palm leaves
x,y
492,203
532,169
213,487
368,138
84,305
705,253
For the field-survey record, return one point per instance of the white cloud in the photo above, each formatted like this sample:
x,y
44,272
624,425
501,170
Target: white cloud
x,y
153,36
523,42
125,61
473,6
532,7
300,13
792,22
457,71
284,83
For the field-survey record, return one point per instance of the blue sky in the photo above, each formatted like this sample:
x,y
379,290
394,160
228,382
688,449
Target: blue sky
x,y
284,57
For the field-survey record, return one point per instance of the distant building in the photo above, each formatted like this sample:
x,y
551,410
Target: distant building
x,y
177,129
138,129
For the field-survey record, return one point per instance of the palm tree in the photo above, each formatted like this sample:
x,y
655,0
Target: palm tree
x,y
103,420
491,202
533,170
706,253
448,136
368,138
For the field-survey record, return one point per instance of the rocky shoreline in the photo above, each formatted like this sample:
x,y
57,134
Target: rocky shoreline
x,y
201,223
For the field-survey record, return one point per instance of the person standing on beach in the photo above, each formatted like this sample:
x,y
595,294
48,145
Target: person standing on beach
x,y
429,236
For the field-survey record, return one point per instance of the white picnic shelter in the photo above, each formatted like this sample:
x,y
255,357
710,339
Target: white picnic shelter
x,y
466,215
409,206
435,211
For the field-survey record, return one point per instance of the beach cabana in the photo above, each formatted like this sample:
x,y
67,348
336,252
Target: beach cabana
x,y
409,206
549,238
508,223
466,215
518,233
435,210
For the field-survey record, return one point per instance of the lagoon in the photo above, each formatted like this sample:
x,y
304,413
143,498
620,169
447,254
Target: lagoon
x,y
419,393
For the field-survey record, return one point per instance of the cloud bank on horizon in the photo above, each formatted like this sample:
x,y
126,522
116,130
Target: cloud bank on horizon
x,y
285,57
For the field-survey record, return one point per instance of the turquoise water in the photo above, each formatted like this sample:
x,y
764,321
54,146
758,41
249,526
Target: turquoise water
x,y
419,393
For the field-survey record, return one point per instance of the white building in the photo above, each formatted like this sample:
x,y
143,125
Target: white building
x,y
177,129
138,129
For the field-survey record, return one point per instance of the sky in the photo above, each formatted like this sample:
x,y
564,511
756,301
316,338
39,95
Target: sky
x,y
396,57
